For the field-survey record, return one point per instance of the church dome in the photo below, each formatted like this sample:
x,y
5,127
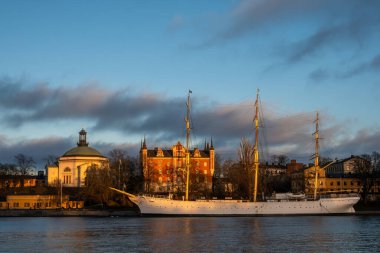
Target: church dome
x,y
82,149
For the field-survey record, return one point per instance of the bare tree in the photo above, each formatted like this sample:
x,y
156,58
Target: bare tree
x,y
237,179
245,153
50,160
118,168
217,184
25,164
376,161
364,169
283,160
8,169
280,159
98,179
324,160
274,159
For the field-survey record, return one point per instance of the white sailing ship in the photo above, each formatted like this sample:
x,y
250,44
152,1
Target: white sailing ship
x,y
284,204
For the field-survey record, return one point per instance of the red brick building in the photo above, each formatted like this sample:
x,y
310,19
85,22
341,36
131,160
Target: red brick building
x,y
293,166
164,170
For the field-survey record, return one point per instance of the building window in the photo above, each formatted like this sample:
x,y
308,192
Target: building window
x,y
67,169
16,204
67,179
338,183
26,205
331,183
205,172
205,164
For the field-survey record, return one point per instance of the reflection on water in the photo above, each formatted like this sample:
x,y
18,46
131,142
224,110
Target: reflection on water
x,y
201,234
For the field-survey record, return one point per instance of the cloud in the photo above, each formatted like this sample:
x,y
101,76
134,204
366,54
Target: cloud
x,y
295,30
161,119
319,75
41,148
13,95
336,37
175,24
363,141
248,16
371,65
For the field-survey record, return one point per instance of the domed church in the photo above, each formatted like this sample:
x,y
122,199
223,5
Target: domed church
x,y
73,165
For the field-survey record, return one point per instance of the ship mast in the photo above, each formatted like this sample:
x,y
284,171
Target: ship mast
x,y
187,120
316,155
256,146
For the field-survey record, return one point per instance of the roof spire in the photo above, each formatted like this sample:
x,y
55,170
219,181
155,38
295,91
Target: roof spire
x,y
144,143
82,139
212,146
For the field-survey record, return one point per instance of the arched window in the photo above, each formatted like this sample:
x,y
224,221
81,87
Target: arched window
x,y
67,169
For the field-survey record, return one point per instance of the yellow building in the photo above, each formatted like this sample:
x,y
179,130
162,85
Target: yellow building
x,y
15,181
328,184
73,165
339,177
39,202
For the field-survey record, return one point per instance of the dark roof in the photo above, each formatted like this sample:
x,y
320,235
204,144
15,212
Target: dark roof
x,y
18,177
82,151
348,158
169,153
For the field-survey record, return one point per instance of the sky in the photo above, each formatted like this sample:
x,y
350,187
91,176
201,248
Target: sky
x,y
122,70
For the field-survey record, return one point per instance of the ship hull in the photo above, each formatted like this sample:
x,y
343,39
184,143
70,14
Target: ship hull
x,y
163,206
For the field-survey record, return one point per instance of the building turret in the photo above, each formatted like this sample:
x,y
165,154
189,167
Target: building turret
x,y
212,158
82,139
144,144
143,159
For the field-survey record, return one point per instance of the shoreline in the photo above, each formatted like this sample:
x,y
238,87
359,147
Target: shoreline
x,y
114,213
68,213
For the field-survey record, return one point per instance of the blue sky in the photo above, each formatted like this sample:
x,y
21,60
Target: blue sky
x,y
122,69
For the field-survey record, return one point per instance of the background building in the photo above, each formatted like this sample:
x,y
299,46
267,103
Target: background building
x,y
15,181
39,202
73,165
341,176
293,166
164,170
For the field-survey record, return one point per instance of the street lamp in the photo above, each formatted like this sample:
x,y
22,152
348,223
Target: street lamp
x,y
78,167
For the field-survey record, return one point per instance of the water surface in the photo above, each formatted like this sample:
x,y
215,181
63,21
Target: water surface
x,y
187,234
